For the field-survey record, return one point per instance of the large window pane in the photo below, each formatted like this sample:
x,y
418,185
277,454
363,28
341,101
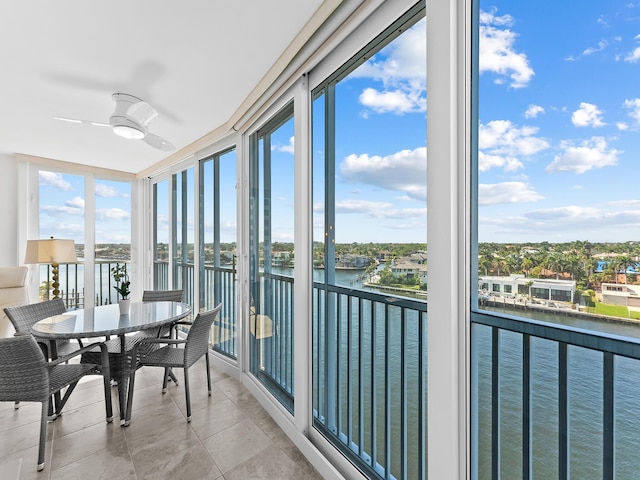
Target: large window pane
x,y
370,254
271,264
62,216
112,235
183,232
218,249
558,110
161,234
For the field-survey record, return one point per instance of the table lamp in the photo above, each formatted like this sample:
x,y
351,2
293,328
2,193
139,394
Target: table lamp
x,y
52,251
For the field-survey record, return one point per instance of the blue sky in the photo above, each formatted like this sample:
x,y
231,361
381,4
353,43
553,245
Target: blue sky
x,y
380,147
559,112
62,208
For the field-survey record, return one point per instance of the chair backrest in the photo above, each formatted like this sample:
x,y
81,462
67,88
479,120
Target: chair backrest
x,y
24,316
13,292
198,337
162,296
24,375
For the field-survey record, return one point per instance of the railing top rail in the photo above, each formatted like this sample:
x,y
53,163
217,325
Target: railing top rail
x,y
401,302
592,339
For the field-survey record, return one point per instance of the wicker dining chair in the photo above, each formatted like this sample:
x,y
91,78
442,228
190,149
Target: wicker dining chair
x,y
165,296
23,317
25,375
195,346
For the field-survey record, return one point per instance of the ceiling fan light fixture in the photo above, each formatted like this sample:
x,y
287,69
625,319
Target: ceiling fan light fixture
x,y
126,131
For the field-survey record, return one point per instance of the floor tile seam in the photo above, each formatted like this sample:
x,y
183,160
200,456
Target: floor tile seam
x,y
133,465
205,449
100,451
245,461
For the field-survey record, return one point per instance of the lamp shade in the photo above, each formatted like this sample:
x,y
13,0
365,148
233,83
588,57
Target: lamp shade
x,y
51,251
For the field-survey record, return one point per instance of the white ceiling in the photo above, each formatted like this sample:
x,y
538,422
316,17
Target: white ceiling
x,y
195,61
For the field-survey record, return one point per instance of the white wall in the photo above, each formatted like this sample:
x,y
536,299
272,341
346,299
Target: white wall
x,y
9,211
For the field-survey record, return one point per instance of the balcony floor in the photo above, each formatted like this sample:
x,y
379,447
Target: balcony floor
x,y
230,436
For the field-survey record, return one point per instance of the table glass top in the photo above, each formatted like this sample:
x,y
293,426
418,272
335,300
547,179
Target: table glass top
x,y
106,320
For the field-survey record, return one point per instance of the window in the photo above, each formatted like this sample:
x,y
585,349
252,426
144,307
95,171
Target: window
x,y
63,214
218,241
370,253
182,184
161,233
112,234
271,255
557,120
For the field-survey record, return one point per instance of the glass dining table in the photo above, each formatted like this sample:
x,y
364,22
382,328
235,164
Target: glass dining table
x,y
106,321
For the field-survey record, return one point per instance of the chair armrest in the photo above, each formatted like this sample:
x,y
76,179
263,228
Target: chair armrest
x,y
160,340
101,345
183,322
134,350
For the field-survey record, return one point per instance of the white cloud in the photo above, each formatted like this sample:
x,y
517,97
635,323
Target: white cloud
x,y
64,230
380,210
396,101
588,115
404,171
55,180
75,206
563,223
602,44
507,192
497,52
634,56
112,214
501,143
76,202
574,217
501,136
622,126
287,148
634,109
533,111
592,153
401,213
487,162
402,69
360,206
108,191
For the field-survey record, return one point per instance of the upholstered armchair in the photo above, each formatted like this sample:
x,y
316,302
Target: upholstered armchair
x,y
13,292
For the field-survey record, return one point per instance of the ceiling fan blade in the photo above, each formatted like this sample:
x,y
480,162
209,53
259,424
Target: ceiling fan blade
x,y
158,142
86,122
142,113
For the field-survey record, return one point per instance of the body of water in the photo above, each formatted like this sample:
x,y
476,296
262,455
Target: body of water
x,y
585,397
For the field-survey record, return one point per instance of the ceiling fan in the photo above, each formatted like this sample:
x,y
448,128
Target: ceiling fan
x,y
131,120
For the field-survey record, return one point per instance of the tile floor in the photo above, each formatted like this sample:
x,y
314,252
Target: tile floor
x,y
230,436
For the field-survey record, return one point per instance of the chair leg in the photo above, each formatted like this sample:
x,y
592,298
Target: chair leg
x,y
132,381
16,405
165,379
186,392
43,433
123,384
106,380
206,358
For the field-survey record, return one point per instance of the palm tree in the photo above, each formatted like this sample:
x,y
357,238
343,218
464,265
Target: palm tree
x,y
623,262
484,264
